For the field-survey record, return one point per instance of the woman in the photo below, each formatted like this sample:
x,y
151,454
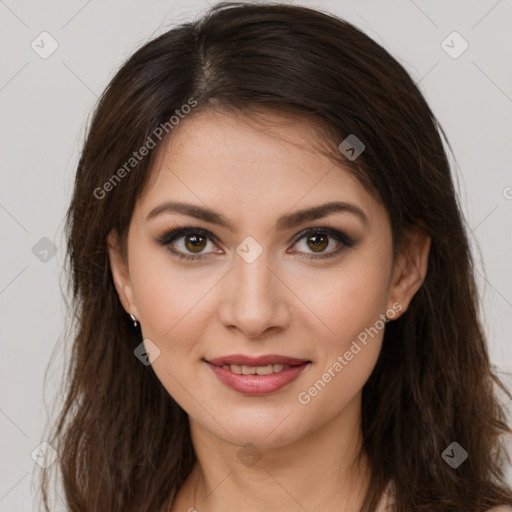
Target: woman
x,y
272,284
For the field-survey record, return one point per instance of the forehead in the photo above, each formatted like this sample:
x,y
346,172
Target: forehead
x,y
228,161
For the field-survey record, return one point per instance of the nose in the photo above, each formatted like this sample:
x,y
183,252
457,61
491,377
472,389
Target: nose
x,y
254,298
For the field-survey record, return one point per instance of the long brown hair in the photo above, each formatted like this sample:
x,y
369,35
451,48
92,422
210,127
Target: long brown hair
x,y
124,443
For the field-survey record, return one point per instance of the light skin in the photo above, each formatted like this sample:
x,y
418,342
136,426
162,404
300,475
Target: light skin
x,y
281,303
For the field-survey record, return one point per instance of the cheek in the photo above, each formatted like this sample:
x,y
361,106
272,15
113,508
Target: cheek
x,y
171,303
169,298
347,299
339,382
349,302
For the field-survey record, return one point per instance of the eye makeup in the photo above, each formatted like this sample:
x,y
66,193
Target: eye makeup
x,y
196,234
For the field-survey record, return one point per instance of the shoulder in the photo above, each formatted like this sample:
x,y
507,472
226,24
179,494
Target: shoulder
x,y
503,508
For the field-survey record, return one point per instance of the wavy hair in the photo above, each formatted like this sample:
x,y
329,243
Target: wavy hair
x,y
124,443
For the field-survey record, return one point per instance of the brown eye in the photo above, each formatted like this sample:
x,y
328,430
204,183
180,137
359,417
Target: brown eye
x,y
189,243
322,242
195,243
317,243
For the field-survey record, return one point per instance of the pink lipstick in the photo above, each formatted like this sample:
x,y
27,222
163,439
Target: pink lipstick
x,y
257,376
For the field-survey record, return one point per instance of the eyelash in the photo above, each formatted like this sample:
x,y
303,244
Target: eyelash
x,y
175,234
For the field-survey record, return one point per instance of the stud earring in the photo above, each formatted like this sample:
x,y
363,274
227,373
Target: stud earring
x,y
134,320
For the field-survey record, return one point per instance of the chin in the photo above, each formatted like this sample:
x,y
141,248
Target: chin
x,y
264,429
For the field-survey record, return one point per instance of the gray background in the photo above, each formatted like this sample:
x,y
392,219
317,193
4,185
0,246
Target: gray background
x,y
44,107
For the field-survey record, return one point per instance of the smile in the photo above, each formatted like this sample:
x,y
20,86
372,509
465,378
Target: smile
x,y
257,380
253,370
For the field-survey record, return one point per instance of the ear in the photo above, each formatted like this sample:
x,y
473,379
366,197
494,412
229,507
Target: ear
x,y
410,267
120,274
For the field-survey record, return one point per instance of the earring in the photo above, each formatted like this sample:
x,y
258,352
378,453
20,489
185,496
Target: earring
x,y
134,320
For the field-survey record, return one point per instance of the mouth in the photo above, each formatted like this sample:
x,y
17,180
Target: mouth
x,y
256,370
257,375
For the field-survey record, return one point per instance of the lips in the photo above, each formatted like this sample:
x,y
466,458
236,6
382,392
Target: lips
x,y
257,375
242,360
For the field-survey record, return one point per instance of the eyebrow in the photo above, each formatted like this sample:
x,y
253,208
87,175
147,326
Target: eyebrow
x,y
287,221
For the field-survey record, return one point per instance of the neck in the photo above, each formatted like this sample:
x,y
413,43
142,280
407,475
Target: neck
x,y
321,470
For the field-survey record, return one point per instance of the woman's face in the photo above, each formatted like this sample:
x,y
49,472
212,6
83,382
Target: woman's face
x,y
261,283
